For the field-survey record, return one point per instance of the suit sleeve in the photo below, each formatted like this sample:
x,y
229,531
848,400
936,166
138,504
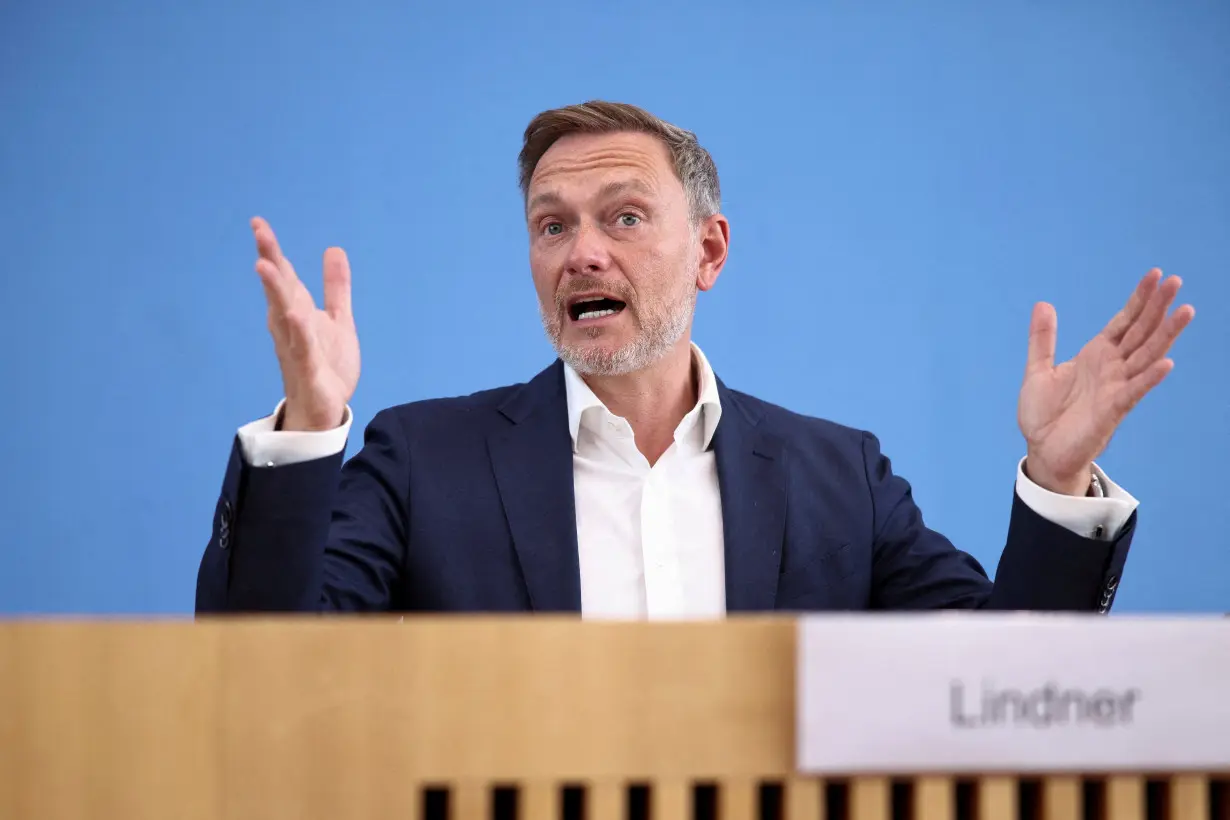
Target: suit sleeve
x,y
1044,566
317,535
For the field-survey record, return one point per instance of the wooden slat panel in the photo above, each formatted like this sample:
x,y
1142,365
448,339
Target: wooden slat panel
x,y
670,799
605,800
935,798
738,799
340,717
997,798
109,721
1125,797
870,798
413,806
804,798
574,704
1061,798
1189,797
14,737
468,800
539,799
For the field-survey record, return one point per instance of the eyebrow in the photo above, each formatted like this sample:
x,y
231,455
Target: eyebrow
x,y
608,191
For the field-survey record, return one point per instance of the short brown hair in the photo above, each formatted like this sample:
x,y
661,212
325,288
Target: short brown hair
x,y
692,163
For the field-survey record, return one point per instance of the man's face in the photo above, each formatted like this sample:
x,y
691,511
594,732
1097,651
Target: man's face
x,y
614,253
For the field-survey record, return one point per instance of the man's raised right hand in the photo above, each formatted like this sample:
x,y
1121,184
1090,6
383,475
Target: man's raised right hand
x,y
318,350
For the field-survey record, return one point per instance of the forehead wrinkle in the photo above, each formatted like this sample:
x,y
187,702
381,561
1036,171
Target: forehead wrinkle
x,y
596,160
608,190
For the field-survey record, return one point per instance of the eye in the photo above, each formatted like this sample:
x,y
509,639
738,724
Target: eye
x,y
553,228
629,220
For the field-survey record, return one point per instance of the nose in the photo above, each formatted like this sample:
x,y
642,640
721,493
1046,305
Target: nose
x,y
588,253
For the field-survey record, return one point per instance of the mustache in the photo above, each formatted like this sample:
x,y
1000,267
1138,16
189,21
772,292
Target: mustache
x,y
578,285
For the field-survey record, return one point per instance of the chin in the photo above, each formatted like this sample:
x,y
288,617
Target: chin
x,y
602,358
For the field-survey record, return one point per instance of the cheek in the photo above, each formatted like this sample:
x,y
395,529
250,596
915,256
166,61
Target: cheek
x,y
546,278
545,291
659,272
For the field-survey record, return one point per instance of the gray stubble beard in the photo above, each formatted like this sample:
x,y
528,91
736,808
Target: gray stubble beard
x,y
661,332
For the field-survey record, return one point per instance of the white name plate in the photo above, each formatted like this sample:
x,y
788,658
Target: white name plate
x,y
984,692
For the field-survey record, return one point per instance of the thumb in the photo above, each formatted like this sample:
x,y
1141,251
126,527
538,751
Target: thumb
x,y
1043,328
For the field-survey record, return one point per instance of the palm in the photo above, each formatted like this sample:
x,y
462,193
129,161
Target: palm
x,y
1069,412
1066,411
318,350
334,367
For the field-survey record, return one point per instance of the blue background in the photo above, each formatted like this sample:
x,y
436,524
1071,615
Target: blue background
x,y
903,180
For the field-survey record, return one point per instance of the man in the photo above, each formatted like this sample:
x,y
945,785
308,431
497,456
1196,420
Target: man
x,y
626,480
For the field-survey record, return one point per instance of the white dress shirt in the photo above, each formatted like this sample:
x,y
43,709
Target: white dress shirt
x,y
650,539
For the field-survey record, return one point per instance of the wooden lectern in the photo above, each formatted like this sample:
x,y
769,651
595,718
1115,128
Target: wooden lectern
x,y
376,718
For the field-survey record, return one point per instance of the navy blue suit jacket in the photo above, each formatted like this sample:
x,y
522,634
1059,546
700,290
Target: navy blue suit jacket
x,y
466,505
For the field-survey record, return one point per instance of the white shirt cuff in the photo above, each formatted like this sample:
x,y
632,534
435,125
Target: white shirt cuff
x,y
264,446
1097,518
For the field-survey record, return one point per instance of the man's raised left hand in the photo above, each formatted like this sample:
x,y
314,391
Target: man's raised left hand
x,y
1068,412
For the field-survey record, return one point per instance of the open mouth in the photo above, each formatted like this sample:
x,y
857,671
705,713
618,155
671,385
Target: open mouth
x,y
597,307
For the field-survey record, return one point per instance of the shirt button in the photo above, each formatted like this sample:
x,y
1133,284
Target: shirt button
x,y
1098,531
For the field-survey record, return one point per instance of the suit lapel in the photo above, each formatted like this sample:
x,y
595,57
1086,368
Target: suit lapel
x,y
752,477
532,460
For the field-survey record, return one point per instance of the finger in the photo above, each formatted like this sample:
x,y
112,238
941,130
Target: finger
x,y
1158,345
1151,318
337,283
300,336
1140,384
290,310
1043,330
279,290
268,247
266,241
1123,320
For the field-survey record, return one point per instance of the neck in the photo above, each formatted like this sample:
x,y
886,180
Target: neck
x,y
653,400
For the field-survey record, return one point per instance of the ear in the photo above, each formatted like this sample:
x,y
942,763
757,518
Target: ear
x,y
713,236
